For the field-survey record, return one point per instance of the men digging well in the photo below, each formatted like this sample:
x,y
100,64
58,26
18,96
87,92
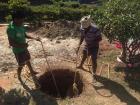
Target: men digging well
x,y
17,40
92,36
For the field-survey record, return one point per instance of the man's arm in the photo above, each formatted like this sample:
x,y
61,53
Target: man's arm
x,y
30,37
81,41
98,36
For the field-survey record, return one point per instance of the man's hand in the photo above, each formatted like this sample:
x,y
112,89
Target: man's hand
x,y
37,39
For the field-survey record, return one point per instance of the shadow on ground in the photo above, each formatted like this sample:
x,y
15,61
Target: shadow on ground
x,y
21,97
118,90
132,77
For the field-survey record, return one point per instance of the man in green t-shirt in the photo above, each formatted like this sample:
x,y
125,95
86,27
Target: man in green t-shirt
x,y
17,40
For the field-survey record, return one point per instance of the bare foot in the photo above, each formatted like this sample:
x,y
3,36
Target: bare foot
x,y
94,78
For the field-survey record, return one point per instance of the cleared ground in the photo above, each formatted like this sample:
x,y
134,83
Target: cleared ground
x,y
61,52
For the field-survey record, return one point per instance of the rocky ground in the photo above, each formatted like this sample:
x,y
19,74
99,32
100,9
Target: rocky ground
x,y
61,52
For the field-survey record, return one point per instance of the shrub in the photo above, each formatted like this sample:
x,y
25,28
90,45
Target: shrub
x,y
16,4
70,4
72,13
120,20
19,5
69,10
3,11
52,12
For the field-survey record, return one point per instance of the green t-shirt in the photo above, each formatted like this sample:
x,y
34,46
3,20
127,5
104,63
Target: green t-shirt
x,y
18,35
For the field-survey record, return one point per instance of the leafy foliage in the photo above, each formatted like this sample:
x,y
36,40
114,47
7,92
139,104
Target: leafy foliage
x,y
18,4
59,9
45,12
3,10
52,12
70,4
72,13
120,20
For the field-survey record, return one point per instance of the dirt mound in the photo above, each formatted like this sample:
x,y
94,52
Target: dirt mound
x,y
62,29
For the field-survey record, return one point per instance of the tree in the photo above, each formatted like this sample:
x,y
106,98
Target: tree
x,y
120,20
18,4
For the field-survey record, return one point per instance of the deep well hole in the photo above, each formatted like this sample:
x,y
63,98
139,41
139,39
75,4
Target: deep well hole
x,y
64,80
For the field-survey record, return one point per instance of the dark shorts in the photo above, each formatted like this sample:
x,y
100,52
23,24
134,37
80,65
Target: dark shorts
x,y
23,57
93,52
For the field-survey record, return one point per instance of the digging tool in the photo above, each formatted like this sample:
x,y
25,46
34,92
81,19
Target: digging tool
x,y
53,77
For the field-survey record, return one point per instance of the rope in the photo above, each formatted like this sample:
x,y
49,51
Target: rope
x,y
76,70
53,77
48,66
75,89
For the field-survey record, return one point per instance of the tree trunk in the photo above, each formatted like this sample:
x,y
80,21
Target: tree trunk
x,y
124,52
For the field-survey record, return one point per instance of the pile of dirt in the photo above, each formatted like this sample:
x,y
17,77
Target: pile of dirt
x,y
62,29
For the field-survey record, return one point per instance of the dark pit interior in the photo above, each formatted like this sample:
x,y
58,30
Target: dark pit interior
x,y
64,80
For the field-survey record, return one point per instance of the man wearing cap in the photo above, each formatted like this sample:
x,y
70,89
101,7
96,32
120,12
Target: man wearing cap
x,y
92,36
17,40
